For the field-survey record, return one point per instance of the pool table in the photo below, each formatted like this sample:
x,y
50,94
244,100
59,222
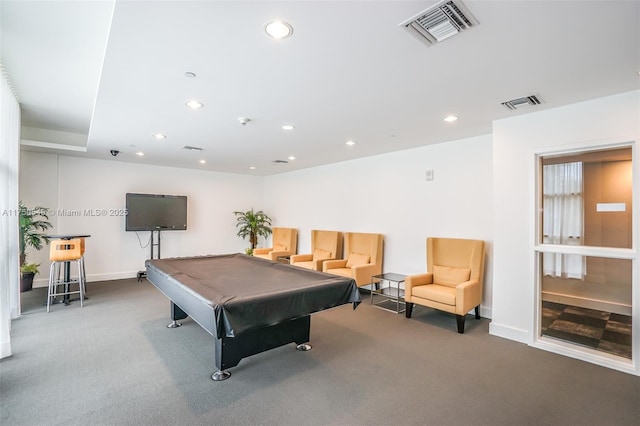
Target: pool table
x,y
249,305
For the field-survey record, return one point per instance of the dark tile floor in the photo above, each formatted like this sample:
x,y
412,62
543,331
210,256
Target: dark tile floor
x,y
600,330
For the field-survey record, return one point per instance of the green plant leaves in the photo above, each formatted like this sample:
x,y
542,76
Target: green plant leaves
x,y
253,225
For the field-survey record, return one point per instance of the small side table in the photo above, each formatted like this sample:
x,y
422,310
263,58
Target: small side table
x,y
393,296
283,259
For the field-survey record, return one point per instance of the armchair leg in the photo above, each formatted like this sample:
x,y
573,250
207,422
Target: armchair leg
x,y
460,321
478,312
408,309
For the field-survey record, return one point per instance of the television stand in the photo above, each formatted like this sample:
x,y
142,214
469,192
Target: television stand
x,y
154,243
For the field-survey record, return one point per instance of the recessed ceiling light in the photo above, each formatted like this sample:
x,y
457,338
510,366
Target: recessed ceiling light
x,y
252,167
287,127
450,118
203,161
159,136
194,104
350,143
292,158
190,74
140,153
278,29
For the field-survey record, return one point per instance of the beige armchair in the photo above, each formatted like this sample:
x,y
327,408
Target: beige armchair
x,y
285,242
454,281
362,258
325,245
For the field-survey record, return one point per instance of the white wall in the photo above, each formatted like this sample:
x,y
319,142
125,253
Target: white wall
x,y
388,194
76,184
385,194
614,119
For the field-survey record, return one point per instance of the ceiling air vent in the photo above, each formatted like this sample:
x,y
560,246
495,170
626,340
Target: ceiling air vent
x,y
191,148
522,102
441,21
280,162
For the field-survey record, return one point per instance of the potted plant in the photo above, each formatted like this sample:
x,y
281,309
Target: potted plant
x,y
27,272
33,222
253,225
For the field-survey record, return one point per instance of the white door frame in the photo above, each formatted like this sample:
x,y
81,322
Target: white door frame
x,y
565,348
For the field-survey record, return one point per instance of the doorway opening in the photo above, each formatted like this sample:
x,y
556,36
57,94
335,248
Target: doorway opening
x,y
584,249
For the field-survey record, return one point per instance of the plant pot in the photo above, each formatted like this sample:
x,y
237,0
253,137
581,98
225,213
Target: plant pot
x,y
26,282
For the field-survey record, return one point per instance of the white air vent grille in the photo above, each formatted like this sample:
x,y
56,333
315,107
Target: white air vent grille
x,y
521,102
441,21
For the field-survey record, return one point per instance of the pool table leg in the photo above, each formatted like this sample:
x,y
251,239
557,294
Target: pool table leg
x,y
229,351
303,347
220,375
176,314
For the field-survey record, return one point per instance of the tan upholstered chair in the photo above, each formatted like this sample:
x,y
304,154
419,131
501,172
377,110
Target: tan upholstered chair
x,y
453,282
285,242
325,245
362,258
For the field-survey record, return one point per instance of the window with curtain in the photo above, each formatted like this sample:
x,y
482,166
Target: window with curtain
x,y
562,218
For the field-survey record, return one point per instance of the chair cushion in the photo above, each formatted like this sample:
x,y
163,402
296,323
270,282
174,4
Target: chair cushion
x,y
449,275
319,254
344,272
356,259
279,247
437,293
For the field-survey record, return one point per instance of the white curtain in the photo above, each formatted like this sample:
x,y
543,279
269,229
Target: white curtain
x,y
9,160
563,218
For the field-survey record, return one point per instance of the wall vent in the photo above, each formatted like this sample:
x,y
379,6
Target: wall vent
x,y
522,102
192,148
439,22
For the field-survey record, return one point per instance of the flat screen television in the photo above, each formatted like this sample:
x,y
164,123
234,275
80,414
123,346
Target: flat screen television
x,y
151,212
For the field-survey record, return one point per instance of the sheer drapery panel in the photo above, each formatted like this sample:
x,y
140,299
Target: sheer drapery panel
x,y
562,218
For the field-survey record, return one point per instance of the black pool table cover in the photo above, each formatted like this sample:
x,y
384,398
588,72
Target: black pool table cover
x,y
233,293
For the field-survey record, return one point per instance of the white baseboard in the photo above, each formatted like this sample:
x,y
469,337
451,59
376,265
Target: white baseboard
x,y
485,312
511,333
44,282
5,349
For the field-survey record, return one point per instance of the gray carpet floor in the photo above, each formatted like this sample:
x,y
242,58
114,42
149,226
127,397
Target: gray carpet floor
x,y
114,362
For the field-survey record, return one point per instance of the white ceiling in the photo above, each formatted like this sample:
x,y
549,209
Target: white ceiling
x,y
94,76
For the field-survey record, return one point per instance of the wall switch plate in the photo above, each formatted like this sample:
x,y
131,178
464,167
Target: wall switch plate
x,y
428,175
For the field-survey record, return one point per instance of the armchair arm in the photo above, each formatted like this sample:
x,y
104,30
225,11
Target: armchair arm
x,y
333,264
363,273
415,281
301,257
274,254
263,250
468,296
318,264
